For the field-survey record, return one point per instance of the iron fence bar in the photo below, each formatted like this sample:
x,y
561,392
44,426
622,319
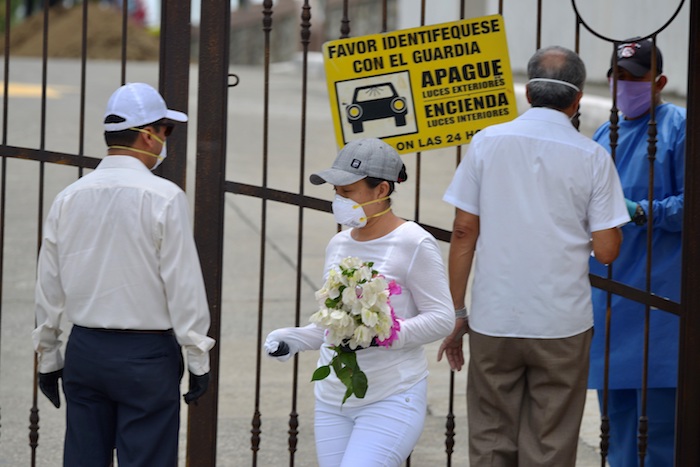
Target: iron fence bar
x,y
643,435
34,418
575,120
305,40
345,22
687,450
6,73
538,40
419,158
53,157
6,95
604,417
296,199
272,194
125,22
640,296
450,423
174,81
3,204
83,67
385,20
212,118
257,416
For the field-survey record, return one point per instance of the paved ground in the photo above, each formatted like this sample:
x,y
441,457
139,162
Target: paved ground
x,y
238,345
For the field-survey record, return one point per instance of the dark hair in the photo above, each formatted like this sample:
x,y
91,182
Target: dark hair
x,y
557,63
374,182
128,137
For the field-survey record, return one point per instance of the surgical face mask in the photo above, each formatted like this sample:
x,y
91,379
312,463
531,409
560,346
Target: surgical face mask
x,y
348,212
159,157
633,97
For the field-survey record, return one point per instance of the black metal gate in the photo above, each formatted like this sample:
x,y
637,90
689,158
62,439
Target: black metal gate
x,y
258,231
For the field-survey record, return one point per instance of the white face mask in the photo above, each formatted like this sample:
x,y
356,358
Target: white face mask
x,y
348,212
161,157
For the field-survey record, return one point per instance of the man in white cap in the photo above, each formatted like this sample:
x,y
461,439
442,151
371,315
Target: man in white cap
x,y
118,258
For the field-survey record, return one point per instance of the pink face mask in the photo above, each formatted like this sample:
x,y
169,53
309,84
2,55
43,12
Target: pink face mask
x,y
633,97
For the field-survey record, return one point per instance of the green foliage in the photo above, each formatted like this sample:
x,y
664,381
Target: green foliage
x,y
16,13
332,303
345,366
321,373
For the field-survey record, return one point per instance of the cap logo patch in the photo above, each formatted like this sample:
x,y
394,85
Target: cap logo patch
x,y
627,50
355,164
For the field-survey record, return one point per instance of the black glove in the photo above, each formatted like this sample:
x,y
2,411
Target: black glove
x,y
48,383
198,386
282,349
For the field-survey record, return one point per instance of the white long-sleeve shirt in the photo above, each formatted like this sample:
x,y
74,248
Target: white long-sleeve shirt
x,y
118,253
410,256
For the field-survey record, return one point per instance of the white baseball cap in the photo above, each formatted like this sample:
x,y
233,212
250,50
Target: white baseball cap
x,y
138,104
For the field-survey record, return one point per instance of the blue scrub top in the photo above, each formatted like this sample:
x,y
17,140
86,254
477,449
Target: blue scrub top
x,y
627,320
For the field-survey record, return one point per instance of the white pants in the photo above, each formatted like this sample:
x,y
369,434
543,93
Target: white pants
x,y
381,434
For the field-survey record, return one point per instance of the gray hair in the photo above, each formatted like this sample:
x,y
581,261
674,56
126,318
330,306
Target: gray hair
x,y
557,63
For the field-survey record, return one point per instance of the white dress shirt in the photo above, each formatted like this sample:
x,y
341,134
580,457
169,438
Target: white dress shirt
x,y
539,188
118,253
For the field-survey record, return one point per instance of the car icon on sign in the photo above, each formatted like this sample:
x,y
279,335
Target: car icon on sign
x,y
375,102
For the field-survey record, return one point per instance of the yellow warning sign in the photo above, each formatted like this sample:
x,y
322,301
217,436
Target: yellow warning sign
x,y
421,88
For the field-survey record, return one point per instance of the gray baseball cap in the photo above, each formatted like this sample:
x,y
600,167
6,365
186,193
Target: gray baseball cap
x,y
360,159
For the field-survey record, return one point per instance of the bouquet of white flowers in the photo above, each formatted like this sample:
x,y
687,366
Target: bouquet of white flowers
x,y
356,312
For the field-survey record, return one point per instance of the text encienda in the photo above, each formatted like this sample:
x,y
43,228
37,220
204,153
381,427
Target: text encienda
x,y
466,104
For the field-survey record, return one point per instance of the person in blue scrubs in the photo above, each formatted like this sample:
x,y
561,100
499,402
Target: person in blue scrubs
x,y
634,100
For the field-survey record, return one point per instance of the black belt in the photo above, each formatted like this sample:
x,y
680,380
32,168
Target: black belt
x,y
131,331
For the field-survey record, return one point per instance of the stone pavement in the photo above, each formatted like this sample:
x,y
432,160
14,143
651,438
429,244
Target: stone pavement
x,y
238,344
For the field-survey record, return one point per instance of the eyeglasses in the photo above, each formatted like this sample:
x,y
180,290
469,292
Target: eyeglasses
x,y
168,130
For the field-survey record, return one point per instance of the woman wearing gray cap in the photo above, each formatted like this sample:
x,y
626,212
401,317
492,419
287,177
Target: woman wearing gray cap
x,y
381,426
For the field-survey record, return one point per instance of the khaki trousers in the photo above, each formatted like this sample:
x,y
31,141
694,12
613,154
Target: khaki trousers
x,y
525,399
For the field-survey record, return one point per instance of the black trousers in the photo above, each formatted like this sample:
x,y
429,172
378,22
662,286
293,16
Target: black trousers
x,y
122,391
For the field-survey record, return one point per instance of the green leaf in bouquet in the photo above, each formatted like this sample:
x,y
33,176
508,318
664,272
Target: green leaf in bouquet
x,y
348,393
359,383
332,303
336,364
321,373
348,358
345,376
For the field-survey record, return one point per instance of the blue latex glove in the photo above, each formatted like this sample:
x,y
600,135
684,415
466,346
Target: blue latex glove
x,y
631,207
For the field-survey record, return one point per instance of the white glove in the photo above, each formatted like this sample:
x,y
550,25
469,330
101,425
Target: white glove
x,y
293,341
